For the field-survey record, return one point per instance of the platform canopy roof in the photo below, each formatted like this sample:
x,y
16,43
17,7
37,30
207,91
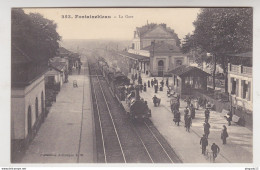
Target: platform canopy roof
x,y
185,70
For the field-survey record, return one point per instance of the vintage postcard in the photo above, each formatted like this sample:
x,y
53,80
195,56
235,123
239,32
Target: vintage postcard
x,y
132,85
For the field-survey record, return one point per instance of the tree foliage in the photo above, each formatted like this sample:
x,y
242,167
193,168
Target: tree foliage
x,y
224,30
221,31
34,35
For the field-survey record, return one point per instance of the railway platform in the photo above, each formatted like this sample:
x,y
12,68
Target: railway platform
x,y
67,135
187,145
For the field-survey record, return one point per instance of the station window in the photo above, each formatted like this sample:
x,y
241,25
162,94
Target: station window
x,y
233,86
245,89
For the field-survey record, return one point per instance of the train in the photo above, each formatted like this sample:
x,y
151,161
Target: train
x,y
126,94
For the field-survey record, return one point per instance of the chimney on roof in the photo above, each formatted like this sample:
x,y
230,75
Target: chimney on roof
x,y
163,25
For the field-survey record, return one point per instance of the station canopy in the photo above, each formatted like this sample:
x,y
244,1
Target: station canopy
x,y
185,71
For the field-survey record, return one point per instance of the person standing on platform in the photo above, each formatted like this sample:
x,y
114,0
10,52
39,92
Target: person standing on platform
x,y
224,135
192,111
155,88
186,114
188,123
141,88
177,117
196,104
205,103
188,100
144,87
155,81
186,111
152,82
178,97
162,83
206,129
229,117
140,80
203,143
79,68
167,83
207,112
215,149
154,100
148,83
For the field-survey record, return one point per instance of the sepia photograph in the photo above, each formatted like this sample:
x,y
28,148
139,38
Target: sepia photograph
x,y
131,85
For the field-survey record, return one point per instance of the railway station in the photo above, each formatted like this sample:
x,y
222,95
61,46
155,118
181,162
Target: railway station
x,y
145,101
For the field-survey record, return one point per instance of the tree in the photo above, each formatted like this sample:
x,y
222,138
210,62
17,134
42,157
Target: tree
x,y
221,31
34,35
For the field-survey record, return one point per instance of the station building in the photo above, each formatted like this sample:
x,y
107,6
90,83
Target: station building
x,y
27,99
240,82
55,76
164,57
159,46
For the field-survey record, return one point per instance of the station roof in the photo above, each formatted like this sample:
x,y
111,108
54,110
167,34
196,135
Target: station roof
x,y
185,70
162,47
133,56
59,66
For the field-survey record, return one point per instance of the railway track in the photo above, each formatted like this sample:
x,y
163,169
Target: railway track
x,y
118,139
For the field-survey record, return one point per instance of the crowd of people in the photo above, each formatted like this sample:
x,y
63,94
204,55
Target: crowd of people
x,y
189,112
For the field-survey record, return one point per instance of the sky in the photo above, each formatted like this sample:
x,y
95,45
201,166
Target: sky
x,y
122,23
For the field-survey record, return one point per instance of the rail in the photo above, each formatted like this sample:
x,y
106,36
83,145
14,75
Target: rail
x,y
159,142
100,125
123,154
